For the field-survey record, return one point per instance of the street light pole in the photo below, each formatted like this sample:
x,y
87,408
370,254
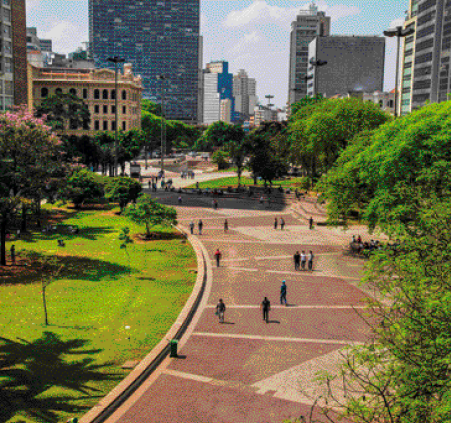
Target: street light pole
x,y
115,60
162,78
398,32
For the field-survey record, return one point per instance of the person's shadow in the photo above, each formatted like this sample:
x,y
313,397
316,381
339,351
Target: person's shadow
x,y
274,321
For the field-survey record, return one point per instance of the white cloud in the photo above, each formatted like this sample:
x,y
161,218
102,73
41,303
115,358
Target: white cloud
x,y
248,39
31,4
65,36
397,22
260,11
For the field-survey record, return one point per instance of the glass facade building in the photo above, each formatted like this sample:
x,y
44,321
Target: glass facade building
x,y
158,37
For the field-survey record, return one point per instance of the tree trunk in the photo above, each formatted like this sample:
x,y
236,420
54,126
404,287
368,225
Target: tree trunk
x,y
44,302
239,177
23,226
3,242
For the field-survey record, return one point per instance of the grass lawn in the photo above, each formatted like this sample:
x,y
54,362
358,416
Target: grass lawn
x,y
233,182
64,368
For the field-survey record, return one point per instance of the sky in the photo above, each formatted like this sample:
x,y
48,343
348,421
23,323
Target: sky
x,y
250,34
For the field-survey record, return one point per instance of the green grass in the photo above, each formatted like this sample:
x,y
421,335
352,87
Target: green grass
x,y
233,182
92,301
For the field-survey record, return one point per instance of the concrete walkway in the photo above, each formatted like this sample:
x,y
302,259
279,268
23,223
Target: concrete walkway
x,y
246,370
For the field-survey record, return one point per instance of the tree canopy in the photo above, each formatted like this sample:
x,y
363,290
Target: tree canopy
x,y
218,134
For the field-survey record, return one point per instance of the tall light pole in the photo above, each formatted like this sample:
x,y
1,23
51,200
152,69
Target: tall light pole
x,y
162,78
399,33
115,60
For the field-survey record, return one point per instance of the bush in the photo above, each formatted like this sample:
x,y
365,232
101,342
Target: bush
x,y
81,186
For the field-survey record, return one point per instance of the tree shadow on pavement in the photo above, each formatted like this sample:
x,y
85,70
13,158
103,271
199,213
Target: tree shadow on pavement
x,y
29,370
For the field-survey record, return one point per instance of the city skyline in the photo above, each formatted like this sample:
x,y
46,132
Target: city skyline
x,y
258,32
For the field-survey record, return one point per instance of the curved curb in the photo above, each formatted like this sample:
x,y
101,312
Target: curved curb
x,y
109,404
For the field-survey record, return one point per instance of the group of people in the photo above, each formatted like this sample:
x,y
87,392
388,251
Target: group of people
x,y
282,223
300,260
200,225
187,174
372,245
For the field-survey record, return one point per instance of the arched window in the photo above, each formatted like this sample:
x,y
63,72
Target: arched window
x,y
73,91
113,94
124,95
58,91
44,92
105,94
96,94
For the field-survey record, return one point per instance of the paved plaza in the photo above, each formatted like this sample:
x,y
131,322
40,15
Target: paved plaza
x,y
245,370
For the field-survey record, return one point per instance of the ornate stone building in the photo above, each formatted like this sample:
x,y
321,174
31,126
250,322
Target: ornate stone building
x,y
96,87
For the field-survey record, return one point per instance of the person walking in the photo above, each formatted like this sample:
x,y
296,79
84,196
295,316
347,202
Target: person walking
x,y
265,306
262,199
197,185
191,227
276,222
283,294
220,310
200,225
303,260
180,200
310,261
310,223
282,223
218,257
226,225
297,260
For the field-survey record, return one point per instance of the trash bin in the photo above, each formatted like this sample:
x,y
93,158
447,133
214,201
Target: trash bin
x,y
73,420
173,345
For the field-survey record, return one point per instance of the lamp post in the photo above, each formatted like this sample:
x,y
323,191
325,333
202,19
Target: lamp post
x,y
162,78
399,33
116,60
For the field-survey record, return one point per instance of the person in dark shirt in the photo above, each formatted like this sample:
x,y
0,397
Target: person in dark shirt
x,y
265,307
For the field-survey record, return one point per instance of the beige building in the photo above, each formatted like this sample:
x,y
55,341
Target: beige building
x,y
96,87
264,114
225,114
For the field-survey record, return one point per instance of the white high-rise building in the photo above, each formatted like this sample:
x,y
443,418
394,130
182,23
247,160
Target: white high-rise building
x,y
211,98
245,93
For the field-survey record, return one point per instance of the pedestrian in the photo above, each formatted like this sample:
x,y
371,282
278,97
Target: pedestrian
x,y
150,184
215,204
200,226
276,222
265,307
310,261
261,199
191,227
180,200
282,223
13,254
310,223
218,257
303,260
283,293
297,260
226,225
197,185
269,202
220,310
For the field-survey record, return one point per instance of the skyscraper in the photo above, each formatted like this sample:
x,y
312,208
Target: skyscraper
x,y
244,91
159,37
426,63
308,24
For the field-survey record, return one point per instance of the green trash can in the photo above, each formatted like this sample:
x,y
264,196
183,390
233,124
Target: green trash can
x,y
174,344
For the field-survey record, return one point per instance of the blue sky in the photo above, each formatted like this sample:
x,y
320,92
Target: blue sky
x,y
249,34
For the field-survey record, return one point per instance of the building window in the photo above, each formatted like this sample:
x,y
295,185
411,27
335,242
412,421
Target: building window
x,y
124,95
73,91
105,125
124,126
44,92
85,93
58,91
96,125
86,126
113,125
73,124
97,109
96,94
113,109
113,94
105,94
8,65
124,110
105,110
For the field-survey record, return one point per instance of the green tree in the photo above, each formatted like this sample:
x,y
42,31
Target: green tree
x,y
151,107
126,240
130,145
150,213
83,185
237,151
65,111
217,135
221,159
122,190
403,170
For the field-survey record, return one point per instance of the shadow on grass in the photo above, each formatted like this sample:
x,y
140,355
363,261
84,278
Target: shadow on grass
x,y
73,267
29,369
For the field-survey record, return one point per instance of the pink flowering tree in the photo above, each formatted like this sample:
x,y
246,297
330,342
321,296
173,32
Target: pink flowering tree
x,y
30,159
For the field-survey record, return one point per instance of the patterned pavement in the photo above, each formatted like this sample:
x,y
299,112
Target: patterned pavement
x,y
246,370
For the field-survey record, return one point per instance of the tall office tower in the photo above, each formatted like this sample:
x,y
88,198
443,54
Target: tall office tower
x,y
218,86
354,64
159,37
426,59
245,93
13,60
308,25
